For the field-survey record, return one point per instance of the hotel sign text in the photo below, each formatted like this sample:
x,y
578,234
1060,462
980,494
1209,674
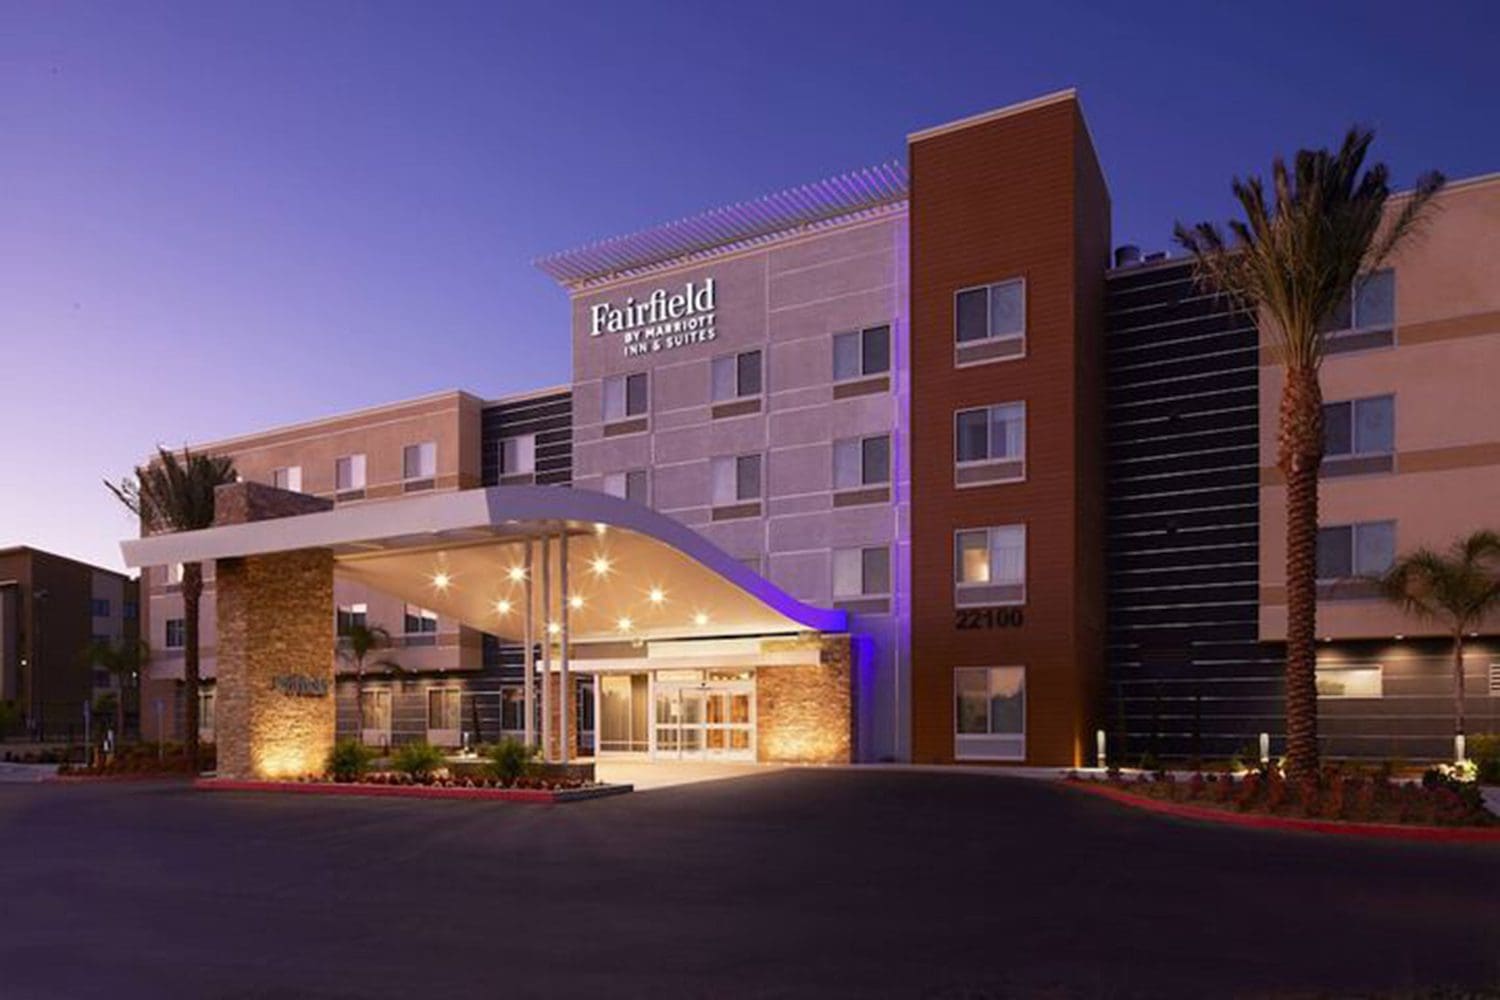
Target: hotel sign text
x,y
300,685
662,321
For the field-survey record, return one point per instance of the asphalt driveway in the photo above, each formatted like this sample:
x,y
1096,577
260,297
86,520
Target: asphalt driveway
x,y
785,883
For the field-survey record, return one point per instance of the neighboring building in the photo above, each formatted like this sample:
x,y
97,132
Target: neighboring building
x,y
1038,491
51,609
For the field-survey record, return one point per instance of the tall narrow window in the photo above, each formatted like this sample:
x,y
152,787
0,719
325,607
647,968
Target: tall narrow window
x,y
176,633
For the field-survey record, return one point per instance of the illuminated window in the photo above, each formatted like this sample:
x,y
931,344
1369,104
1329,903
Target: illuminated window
x,y
990,566
861,462
736,375
1350,682
206,702
861,353
443,711
989,713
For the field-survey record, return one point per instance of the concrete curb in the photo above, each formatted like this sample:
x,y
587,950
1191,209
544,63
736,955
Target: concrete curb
x,y
534,796
1377,831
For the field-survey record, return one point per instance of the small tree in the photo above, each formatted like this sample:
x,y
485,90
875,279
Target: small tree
x,y
124,659
1458,588
356,645
176,493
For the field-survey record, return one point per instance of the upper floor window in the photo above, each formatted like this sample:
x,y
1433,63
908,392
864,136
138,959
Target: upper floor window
x,y
99,607
990,444
174,573
736,479
350,615
287,478
176,636
863,572
989,566
1360,427
1369,305
419,461
990,321
1356,550
518,455
349,473
736,375
419,621
631,485
130,610
859,462
625,396
861,353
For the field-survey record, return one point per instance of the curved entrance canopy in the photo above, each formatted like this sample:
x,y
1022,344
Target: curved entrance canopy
x,y
631,572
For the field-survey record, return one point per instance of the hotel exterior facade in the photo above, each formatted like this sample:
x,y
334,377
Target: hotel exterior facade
x,y
899,468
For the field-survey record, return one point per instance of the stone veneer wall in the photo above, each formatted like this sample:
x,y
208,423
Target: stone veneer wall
x,y
805,714
275,619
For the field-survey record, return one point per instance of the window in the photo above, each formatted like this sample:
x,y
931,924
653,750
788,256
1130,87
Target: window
x,y
736,479
864,572
1360,427
736,375
629,485
419,461
349,473
1349,682
350,615
206,701
99,607
419,621
625,396
518,455
1369,305
1356,550
990,566
176,633
376,705
861,462
991,312
288,478
989,712
130,610
989,443
443,711
174,574
861,353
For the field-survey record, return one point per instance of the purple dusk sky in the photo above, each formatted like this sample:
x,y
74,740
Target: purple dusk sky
x,y
215,218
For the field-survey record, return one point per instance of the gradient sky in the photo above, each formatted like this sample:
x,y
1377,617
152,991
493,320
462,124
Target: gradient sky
x,y
215,218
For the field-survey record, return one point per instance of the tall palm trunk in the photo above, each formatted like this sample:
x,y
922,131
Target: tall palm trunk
x,y
192,595
1300,448
1458,680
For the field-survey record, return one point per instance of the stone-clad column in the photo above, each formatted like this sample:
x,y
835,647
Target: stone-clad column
x,y
274,714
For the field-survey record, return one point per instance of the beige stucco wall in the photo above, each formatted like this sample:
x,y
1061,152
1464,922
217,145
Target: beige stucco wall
x,y
1445,375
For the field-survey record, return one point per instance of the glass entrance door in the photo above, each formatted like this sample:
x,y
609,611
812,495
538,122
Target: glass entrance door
x,y
704,721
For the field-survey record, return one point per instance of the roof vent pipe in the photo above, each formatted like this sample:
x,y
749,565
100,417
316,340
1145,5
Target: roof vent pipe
x,y
1127,254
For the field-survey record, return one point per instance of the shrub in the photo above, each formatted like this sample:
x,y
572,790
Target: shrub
x,y
509,760
1484,751
349,760
418,761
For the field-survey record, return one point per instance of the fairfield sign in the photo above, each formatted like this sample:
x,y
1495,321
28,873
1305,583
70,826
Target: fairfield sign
x,y
662,321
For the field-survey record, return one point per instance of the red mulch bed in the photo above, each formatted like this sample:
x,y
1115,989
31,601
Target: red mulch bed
x,y
543,796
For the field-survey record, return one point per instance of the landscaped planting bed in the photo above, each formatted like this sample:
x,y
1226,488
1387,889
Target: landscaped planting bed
x,y
395,785
1445,799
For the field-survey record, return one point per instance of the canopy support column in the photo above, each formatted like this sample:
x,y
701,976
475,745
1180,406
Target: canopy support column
x,y
564,692
528,660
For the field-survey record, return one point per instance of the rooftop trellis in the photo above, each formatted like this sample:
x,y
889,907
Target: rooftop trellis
x,y
733,227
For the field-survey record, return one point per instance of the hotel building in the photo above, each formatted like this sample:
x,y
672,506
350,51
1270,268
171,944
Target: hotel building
x,y
892,466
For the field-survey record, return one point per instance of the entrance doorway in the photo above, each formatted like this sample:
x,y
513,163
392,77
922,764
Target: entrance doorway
x,y
678,715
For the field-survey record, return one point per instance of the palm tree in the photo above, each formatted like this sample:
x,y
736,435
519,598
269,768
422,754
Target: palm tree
x,y
174,493
125,659
356,644
1294,260
1459,588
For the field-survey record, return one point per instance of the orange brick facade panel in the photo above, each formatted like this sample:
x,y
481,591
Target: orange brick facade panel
x,y
1016,196
805,714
